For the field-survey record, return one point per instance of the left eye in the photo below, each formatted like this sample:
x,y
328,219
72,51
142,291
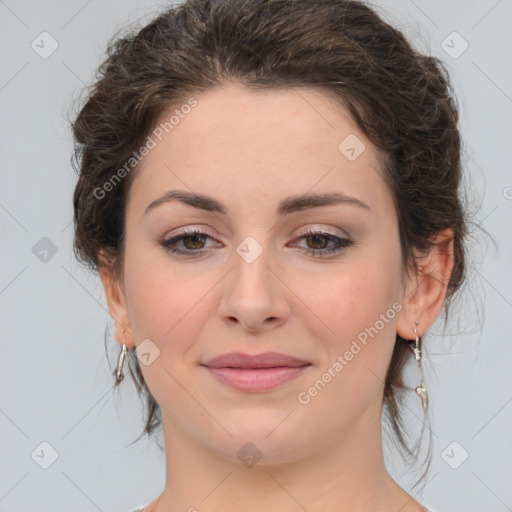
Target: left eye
x,y
314,237
195,240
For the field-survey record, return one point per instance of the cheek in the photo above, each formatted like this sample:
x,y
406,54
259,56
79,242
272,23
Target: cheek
x,y
166,304
163,309
343,303
153,306
355,306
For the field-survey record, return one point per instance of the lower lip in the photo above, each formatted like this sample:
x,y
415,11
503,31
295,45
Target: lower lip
x,y
256,379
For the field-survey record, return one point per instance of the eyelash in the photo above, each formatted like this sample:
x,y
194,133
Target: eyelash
x,y
342,243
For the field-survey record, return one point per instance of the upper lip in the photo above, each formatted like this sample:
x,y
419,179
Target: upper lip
x,y
265,360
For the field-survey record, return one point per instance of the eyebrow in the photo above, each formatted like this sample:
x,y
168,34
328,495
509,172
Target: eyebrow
x,y
286,206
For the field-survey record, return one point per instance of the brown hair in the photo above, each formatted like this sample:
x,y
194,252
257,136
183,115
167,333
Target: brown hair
x,y
401,99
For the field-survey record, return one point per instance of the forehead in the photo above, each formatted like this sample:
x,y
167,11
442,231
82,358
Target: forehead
x,y
245,145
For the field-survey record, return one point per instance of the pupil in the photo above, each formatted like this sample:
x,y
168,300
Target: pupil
x,y
194,237
316,237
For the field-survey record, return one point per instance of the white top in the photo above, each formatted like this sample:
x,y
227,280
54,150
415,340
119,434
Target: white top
x,y
141,509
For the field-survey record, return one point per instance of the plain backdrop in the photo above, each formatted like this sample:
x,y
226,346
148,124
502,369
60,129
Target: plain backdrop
x,y
65,434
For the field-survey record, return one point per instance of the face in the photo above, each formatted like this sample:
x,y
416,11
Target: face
x,y
253,280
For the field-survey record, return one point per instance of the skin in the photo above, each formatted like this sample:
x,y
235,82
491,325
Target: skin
x,y
249,150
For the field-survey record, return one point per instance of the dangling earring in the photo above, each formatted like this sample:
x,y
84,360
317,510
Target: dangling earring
x,y
119,370
421,390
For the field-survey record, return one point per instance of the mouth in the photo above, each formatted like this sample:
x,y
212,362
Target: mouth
x,y
255,373
256,379
256,361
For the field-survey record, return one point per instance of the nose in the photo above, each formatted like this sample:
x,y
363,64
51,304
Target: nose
x,y
254,297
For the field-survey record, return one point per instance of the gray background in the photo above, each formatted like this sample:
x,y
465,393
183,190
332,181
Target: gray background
x,y
56,382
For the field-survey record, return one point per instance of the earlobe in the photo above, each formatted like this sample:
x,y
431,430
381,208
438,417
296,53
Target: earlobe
x,y
426,292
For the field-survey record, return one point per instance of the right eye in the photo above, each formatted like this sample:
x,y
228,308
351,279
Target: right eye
x,y
191,239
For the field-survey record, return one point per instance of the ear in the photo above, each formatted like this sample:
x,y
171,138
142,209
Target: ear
x,y
426,291
116,301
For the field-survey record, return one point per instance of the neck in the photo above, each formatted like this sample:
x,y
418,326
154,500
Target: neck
x,y
347,471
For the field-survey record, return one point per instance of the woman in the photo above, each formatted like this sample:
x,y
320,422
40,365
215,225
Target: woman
x,y
269,191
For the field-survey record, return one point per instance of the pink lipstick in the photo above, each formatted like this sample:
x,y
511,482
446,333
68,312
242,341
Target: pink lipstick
x,y
255,373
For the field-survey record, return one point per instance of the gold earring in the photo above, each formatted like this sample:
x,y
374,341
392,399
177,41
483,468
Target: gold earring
x,y
421,390
119,370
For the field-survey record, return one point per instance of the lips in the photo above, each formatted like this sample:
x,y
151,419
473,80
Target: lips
x,y
246,361
256,373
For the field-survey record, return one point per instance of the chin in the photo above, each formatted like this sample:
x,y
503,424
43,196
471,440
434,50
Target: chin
x,y
264,434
